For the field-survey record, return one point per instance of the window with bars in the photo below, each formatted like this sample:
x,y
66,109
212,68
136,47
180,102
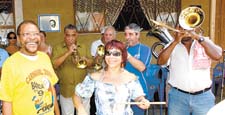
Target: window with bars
x,y
7,19
91,15
131,13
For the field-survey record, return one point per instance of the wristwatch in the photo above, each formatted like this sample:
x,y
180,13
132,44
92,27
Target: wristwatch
x,y
201,39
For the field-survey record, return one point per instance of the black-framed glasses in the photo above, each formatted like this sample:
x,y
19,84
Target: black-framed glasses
x,y
11,38
114,53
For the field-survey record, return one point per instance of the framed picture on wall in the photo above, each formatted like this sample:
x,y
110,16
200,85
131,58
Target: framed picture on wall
x,y
49,22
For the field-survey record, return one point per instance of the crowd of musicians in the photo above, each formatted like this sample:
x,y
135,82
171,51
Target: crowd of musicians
x,y
66,79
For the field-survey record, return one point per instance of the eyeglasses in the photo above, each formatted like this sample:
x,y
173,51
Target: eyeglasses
x,y
114,53
30,34
11,38
71,35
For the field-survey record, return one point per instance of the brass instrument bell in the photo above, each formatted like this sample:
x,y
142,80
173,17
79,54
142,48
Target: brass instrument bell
x,y
97,66
101,50
80,63
191,18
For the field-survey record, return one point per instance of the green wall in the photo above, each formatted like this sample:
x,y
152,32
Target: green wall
x,y
33,8
205,4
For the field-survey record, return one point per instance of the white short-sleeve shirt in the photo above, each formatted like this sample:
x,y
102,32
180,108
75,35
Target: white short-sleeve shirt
x,y
95,45
182,75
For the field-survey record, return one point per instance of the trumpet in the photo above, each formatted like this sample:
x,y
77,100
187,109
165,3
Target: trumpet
x,y
101,50
80,62
99,60
97,66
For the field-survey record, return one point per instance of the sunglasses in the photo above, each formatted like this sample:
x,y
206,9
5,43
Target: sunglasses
x,y
12,38
114,53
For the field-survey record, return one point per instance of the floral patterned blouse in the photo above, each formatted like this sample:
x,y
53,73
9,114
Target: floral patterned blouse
x,y
110,99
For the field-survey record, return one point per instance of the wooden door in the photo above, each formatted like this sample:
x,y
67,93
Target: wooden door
x,y
220,23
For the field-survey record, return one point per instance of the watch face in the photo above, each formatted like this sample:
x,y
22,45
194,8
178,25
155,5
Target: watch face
x,y
201,39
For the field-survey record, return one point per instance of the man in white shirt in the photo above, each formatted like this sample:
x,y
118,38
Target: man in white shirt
x,y
108,34
190,58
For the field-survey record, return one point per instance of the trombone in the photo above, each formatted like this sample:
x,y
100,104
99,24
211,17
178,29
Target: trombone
x,y
190,18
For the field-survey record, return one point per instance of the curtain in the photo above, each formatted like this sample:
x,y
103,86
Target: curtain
x,y
92,15
148,7
113,8
165,11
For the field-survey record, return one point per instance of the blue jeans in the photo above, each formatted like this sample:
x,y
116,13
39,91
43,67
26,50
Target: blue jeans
x,y
186,104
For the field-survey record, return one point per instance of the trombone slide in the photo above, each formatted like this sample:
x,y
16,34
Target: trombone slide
x,y
164,25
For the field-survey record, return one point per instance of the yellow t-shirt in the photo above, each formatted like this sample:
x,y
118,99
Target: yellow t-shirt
x,y
28,84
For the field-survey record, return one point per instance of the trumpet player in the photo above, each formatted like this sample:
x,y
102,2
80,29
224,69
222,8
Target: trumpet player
x,y
190,56
68,73
97,47
108,33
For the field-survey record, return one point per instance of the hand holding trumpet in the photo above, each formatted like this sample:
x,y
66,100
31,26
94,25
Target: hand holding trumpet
x,y
72,49
80,61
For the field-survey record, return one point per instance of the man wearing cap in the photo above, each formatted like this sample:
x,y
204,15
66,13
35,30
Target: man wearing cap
x,y
140,52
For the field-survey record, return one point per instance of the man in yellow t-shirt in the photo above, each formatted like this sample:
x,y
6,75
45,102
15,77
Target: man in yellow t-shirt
x,y
28,78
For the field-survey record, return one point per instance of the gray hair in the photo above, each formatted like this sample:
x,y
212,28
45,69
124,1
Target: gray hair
x,y
104,29
134,27
110,27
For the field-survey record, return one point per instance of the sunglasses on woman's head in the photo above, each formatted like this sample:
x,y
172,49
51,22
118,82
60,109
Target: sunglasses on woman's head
x,y
114,53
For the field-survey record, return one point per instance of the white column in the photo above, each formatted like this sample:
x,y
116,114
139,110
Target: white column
x,y
18,11
212,19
